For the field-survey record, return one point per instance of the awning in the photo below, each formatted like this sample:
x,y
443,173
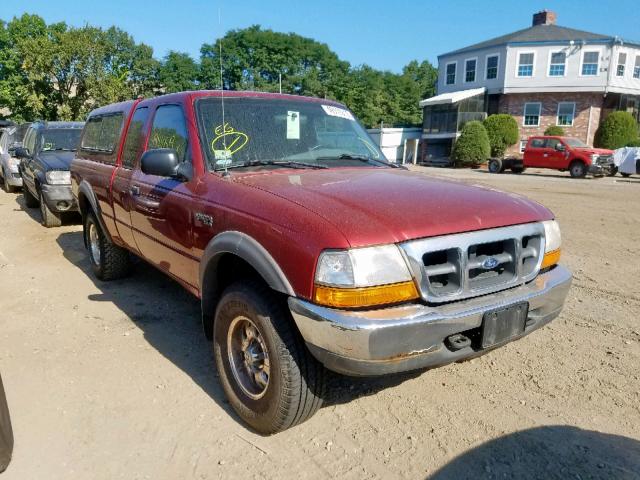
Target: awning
x,y
452,97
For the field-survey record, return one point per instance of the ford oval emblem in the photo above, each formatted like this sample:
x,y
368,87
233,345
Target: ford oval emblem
x,y
489,263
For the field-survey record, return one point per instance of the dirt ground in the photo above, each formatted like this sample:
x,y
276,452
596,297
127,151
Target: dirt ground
x,y
116,381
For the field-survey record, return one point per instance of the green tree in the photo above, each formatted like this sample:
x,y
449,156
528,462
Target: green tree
x,y
502,130
618,129
254,59
472,147
554,131
178,72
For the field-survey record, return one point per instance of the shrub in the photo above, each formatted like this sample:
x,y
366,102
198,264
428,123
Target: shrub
x,y
554,131
634,143
618,129
472,147
502,130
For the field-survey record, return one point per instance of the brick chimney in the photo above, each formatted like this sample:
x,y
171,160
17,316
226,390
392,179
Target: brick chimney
x,y
545,17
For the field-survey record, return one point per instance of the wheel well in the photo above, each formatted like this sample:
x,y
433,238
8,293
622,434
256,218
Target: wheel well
x,y
577,160
222,271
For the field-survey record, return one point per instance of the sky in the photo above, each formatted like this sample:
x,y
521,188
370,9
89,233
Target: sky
x,y
383,34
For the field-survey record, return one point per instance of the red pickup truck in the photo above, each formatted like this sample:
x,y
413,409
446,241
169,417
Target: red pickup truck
x,y
559,153
307,248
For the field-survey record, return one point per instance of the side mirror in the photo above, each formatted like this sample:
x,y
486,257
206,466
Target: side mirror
x,y
22,152
559,147
162,162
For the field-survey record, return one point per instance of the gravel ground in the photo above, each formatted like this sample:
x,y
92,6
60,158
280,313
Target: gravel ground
x,y
116,381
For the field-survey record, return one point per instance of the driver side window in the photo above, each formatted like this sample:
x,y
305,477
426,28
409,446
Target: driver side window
x,y
169,130
553,143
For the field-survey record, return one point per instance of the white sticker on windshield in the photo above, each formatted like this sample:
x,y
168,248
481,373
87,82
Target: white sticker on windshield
x,y
338,112
293,125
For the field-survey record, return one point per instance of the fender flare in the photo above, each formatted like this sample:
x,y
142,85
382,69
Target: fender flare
x,y
248,249
85,189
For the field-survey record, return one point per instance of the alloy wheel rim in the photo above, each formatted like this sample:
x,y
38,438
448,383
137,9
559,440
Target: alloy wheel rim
x,y
94,244
248,357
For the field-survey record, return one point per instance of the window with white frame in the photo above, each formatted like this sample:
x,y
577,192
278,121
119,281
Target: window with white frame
x,y
523,145
622,63
450,74
532,114
566,113
470,70
590,63
525,64
557,64
492,67
636,67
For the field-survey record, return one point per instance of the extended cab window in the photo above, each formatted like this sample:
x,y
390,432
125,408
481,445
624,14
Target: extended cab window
x,y
101,133
537,143
169,130
133,144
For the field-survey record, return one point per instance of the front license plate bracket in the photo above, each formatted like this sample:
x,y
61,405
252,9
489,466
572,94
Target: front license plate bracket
x,y
503,324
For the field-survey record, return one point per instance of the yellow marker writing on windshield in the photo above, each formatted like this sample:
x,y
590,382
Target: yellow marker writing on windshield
x,y
229,139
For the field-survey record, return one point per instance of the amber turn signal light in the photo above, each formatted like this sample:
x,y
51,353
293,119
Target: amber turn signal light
x,y
365,297
550,258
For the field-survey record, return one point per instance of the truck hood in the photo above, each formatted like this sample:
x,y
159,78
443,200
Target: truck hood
x,y
57,160
375,206
596,151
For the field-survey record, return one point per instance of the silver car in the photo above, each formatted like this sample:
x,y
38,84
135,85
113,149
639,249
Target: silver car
x,y
10,139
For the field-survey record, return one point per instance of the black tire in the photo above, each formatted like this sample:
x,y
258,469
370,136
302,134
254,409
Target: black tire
x,y
109,261
5,180
29,200
294,389
50,218
495,165
577,169
612,172
625,175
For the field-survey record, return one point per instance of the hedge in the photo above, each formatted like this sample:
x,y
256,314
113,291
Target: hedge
x,y
502,130
472,147
616,131
554,131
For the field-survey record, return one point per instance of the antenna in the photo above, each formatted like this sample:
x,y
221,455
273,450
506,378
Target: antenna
x,y
224,137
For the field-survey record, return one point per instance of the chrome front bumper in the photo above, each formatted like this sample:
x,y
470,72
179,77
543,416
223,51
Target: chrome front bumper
x,y
408,337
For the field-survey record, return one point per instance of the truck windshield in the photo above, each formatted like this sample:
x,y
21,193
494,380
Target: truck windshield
x,y
61,139
268,133
574,142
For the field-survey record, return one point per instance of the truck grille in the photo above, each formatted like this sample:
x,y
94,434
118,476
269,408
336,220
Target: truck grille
x,y
604,159
453,267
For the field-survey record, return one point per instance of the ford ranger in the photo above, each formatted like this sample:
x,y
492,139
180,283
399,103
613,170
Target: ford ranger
x,y
559,153
308,250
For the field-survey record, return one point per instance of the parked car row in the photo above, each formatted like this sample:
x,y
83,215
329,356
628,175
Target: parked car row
x,y
307,249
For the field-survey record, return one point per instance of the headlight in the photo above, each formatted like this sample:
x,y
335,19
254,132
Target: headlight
x,y
553,242
14,164
58,177
363,277
594,158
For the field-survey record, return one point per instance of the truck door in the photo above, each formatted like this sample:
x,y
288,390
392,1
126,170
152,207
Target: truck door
x,y
161,206
556,154
534,153
121,185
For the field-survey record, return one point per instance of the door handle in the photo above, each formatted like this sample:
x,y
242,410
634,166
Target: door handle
x,y
134,191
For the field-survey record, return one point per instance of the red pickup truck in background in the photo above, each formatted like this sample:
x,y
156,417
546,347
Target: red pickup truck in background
x,y
559,153
307,249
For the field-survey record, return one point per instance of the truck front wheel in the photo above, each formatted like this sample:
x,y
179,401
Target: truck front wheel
x,y
577,169
268,375
108,261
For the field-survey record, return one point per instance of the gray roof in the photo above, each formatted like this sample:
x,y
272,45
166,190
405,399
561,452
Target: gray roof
x,y
537,33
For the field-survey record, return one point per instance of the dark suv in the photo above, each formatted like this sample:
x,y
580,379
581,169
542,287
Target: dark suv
x,y
47,151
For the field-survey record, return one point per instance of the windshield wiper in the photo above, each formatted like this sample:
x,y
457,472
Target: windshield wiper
x,y
360,158
277,163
